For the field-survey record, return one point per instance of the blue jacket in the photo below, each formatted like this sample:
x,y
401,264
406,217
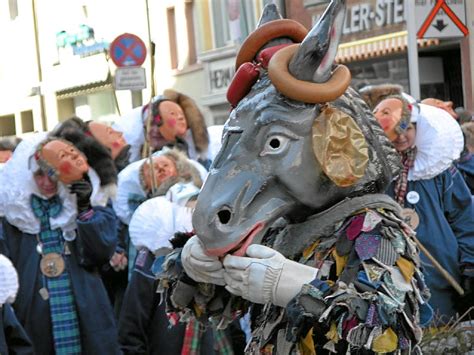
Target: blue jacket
x,y
446,229
94,245
13,338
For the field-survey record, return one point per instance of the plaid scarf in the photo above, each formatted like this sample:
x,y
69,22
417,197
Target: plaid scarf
x,y
67,339
408,160
192,340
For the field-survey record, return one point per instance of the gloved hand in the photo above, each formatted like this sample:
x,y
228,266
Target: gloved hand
x,y
200,266
83,191
266,276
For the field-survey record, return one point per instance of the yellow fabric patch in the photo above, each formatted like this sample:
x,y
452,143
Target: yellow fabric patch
x,y
385,342
340,147
332,334
341,262
407,268
307,344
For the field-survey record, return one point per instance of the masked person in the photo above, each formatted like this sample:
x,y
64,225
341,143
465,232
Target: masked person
x,y
57,240
136,185
7,147
436,201
292,221
13,338
107,153
172,120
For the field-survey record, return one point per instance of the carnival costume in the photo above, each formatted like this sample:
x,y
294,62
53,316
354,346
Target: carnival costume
x,y
56,245
293,217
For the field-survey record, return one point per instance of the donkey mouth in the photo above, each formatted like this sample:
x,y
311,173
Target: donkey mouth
x,y
239,247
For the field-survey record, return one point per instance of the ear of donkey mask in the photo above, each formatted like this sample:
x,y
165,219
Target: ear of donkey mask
x,y
108,137
68,162
340,146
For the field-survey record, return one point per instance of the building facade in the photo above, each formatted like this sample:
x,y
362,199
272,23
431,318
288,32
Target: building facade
x,y
58,63
374,47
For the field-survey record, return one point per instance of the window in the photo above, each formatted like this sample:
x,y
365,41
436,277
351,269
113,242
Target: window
x,y
13,8
233,21
171,18
188,9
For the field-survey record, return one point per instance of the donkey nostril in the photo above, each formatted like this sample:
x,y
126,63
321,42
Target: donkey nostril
x,y
224,216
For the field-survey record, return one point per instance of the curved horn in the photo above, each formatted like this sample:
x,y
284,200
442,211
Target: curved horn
x,y
314,59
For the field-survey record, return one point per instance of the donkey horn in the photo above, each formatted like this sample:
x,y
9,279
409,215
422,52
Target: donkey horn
x,y
319,47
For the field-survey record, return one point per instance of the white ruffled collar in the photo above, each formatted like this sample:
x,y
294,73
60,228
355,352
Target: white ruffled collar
x,y
439,141
156,221
8,281
15,197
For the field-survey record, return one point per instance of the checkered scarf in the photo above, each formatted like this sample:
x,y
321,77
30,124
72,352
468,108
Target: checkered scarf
x,y
192,340
66,334
408,159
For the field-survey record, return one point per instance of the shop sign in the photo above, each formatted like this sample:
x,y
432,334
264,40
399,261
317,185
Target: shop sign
x,y
367,16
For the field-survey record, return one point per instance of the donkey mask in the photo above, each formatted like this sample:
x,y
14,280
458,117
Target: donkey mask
x,y
282,140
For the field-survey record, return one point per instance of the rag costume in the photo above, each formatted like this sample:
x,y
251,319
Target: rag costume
x,y
61,302
292,223
431,186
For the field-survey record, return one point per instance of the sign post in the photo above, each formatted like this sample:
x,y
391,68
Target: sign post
x,y
128,52
412,49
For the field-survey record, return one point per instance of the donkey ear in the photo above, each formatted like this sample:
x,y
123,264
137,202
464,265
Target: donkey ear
x,y
270,13
317,52
340,147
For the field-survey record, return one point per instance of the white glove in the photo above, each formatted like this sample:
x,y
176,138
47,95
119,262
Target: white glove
x,y
200,266
266,276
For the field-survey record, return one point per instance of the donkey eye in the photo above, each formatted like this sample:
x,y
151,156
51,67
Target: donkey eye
x,y
275,144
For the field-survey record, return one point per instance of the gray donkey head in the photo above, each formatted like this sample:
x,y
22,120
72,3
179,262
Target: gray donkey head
x,y
289,140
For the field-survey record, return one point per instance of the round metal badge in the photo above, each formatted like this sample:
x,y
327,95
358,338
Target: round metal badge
x,y
413,197
52,264
410,217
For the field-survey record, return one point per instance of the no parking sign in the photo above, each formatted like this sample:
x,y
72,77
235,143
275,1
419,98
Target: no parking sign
x,y
127,50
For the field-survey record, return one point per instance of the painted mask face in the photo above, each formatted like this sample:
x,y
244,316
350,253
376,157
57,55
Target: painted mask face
x,y
46,186
174,122
444,105
69,162
405,140
163,168
388,113
108,137
5,155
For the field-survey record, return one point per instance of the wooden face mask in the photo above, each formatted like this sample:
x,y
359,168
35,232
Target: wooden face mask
x,y
70,164
173,120
108,137
163,169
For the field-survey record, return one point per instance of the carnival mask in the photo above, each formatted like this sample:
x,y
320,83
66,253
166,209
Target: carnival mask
x,y
173,120
68,163
5,155
163,169
389,113
108,137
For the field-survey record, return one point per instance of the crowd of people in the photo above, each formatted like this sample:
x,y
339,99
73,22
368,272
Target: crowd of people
x,y
92,215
